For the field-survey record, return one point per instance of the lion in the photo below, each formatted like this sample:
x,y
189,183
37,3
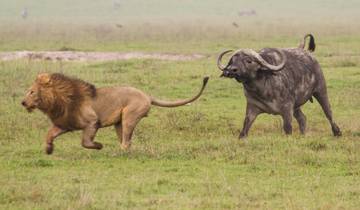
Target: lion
x,y
73,104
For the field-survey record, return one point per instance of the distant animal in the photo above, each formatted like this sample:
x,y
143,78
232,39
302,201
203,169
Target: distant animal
x,y
250,12
118,25
24,13
116,5
278,81
235,25
73,104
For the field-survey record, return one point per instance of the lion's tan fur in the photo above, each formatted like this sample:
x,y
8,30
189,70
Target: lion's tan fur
x,y
73,104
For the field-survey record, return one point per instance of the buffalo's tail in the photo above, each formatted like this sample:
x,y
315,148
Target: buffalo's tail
x,y
312,44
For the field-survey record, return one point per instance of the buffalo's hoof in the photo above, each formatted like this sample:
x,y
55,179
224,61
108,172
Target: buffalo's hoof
x,y
336,131
242,136
49,149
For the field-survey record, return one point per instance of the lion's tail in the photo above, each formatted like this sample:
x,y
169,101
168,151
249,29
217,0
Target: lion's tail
x,y
311,46
158,102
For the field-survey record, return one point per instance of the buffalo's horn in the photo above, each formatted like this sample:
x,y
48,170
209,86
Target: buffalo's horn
x,y
261,60
220,66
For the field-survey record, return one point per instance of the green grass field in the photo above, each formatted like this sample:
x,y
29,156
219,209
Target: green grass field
x,y
187,157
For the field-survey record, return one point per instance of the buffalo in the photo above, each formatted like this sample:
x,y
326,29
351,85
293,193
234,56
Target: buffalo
x,y
279,81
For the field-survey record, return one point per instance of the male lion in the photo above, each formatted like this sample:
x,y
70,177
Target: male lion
x,y
73,104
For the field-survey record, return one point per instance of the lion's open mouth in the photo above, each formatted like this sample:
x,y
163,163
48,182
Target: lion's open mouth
x,y
30,108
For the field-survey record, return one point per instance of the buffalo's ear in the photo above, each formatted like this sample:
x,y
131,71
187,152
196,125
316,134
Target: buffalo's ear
x,y
43,79
263,68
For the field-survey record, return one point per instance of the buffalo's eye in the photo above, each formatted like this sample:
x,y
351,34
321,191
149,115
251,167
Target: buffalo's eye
x,y
249,61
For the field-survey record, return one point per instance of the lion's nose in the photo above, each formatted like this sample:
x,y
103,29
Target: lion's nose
x,y
23,103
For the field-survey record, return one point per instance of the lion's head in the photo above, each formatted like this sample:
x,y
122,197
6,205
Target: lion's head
x,y
56,93
32,98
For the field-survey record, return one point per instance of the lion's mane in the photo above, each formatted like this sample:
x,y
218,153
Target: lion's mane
x,y
62,96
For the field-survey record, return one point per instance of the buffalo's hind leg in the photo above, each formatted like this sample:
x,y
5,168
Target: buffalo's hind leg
x,y
323,100
301,119
251,113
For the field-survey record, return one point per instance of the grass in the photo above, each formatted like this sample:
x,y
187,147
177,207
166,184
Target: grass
x,y
187,157
182,158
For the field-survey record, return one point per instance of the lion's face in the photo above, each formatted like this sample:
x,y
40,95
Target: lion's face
x,y
32,98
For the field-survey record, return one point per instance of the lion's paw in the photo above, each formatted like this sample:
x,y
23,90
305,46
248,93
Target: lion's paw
x,y
49,149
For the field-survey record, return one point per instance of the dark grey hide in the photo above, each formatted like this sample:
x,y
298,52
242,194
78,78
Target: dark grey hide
x,y
278,91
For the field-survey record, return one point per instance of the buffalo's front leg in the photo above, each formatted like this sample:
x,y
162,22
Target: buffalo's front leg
x,y
251,113
53,132
301,119
287,118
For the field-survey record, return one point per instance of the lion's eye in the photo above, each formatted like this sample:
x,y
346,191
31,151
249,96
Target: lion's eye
x,y
31,92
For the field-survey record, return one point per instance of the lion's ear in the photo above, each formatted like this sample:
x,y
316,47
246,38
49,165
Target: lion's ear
x,y
43,78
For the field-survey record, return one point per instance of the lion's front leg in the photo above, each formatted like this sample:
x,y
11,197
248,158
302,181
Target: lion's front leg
x,y
90,124
53,132
89,133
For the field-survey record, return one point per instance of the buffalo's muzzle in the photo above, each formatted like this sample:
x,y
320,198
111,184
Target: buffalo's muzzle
x,y
225,73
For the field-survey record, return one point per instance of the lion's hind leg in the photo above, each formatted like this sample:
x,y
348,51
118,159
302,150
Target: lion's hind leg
x,y
130,118
118,129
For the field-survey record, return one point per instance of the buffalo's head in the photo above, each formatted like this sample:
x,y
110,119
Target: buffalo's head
x,y
244,64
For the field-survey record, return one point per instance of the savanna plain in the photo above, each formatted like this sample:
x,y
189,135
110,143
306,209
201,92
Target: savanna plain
x,y
188,157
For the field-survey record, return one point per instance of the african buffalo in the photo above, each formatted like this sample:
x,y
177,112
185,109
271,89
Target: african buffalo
x,y
278,81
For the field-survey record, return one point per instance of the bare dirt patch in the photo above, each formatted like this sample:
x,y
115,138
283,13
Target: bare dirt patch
x,y
95,56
